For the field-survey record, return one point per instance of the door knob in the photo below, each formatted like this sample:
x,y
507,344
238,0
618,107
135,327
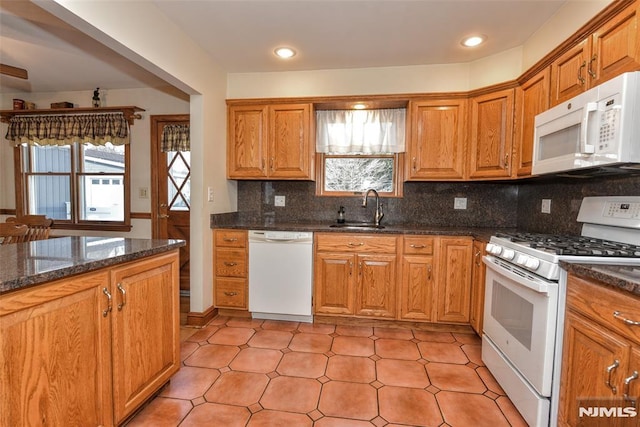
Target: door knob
x,y
163,216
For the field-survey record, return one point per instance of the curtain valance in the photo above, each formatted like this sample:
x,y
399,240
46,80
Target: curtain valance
x,y
360,131
175,138
64,129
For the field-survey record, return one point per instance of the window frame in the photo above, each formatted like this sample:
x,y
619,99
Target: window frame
x,y
21,179
398,175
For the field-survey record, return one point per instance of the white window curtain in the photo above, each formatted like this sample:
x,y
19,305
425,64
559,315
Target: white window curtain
x,y
360,131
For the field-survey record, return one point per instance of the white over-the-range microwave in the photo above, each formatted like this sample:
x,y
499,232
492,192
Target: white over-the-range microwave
x,y
599,128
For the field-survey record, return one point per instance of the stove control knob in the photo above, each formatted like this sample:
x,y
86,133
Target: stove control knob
x,y
521,259
508,254
532,264
494,249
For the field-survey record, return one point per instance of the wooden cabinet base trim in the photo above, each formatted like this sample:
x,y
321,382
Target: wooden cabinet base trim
x,y
195,318
399,324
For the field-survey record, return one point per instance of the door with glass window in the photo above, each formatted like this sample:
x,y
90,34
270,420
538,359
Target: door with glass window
x,y
171,184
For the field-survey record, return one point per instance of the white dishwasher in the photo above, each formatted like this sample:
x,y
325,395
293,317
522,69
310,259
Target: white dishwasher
x,y
280,275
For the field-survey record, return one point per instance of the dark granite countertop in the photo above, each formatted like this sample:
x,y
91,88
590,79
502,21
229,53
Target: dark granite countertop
x,y
622,277
32,263
235,220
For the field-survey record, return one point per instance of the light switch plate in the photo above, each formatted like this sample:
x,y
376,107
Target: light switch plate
x,y
546,206
143,192
279,200
460,203
210,194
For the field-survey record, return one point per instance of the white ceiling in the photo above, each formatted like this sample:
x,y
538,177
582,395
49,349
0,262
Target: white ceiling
x,y
240,35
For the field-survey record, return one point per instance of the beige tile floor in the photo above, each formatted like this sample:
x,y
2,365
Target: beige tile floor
x,y
243,372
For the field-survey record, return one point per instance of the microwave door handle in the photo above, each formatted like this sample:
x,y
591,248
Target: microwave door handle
x,y
585,147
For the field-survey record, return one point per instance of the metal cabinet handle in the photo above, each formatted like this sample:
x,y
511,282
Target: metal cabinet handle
x,y
415,165
231,294
360,268
106,311
506,161
418,246
350,268
589,69
610,370
627,381
272,163
230,239
429,272
124,297
355,245
163,216
580,78
230,264
620,317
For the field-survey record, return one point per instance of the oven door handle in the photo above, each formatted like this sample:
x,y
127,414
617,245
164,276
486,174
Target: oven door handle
x,y
533,283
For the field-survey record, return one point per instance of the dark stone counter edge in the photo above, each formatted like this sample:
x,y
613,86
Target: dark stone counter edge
x,y
237,222
20,283
606,274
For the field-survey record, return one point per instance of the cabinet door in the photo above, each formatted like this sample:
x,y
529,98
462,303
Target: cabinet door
x,y
436,140
491,135
417,289
247,142
334,283
615,46
146,329
477,287
592,357
289,141
55,357
569,73
454,280
532,98
376,286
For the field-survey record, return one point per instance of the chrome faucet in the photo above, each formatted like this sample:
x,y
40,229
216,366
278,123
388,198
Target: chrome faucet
x,y
379,211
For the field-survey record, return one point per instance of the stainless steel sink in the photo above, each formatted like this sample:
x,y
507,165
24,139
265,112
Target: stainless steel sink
x,y
357,226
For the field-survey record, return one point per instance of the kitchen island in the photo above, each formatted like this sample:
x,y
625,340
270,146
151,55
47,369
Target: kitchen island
x,y
89,328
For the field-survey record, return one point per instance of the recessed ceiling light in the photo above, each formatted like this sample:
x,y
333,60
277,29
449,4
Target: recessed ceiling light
x,y
359,106
284,52
473,41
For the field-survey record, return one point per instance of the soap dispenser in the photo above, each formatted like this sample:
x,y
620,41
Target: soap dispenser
x,y
341,215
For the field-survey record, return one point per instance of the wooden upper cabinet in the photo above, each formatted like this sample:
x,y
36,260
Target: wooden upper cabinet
x,y
436,140
246,145
611,50
532,98
289,141
269,141
491,135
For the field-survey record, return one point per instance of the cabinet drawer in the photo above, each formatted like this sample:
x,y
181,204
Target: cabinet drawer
x,y
356,243
231,293
418,245
231,263
599,304
230,238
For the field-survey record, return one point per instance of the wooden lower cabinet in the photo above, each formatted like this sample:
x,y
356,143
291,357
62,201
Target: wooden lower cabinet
x,y
454,277
414,278
355,275
145,331
231,268
601,353
66,358
478,272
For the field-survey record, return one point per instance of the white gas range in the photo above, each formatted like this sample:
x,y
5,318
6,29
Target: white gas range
x,y
525,298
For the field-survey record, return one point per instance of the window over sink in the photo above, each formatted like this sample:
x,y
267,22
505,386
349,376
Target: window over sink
x,y
358,150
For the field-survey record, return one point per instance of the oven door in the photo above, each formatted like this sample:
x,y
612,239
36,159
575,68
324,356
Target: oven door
x,y
520,317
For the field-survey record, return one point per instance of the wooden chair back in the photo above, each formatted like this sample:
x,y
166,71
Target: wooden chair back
x,y
12,232
39,226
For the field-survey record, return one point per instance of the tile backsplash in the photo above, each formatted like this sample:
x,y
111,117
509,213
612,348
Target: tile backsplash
x,y
489,204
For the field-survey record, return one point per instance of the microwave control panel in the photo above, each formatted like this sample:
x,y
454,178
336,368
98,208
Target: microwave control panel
x,y
609,122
